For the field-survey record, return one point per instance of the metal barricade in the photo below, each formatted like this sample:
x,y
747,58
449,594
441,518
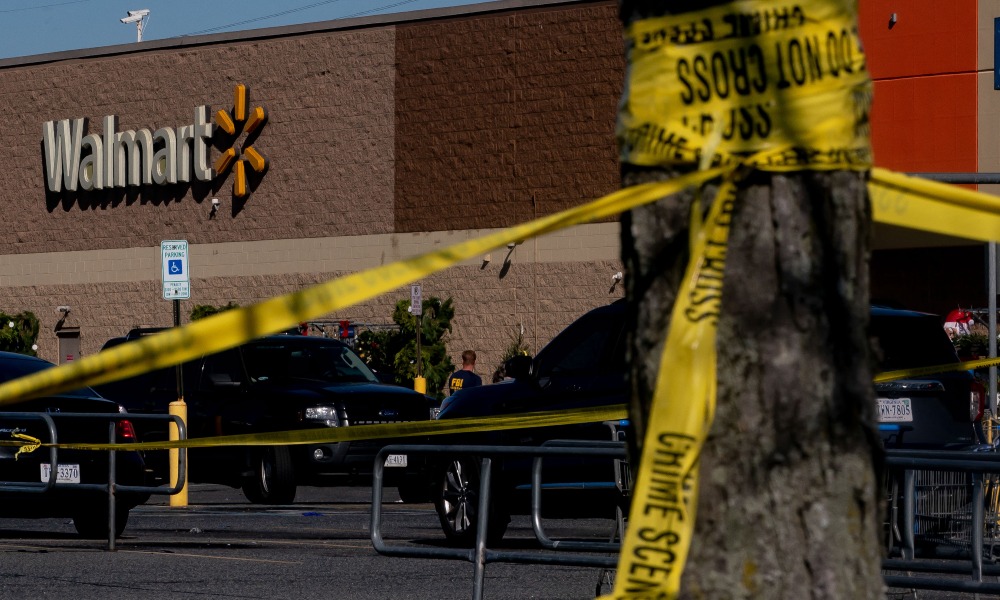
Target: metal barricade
x,y
621,479
948,499
112,487
479,554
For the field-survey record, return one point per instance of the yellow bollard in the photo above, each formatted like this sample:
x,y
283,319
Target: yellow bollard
x,y
178,408
420,384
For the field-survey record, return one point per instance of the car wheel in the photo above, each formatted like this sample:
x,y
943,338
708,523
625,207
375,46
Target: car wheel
x,y
457,504
272,478
91,521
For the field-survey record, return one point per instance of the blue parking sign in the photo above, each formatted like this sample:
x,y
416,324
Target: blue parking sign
x,y
174,263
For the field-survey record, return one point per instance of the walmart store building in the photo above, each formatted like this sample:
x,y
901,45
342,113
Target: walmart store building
x,y
384,137
338,146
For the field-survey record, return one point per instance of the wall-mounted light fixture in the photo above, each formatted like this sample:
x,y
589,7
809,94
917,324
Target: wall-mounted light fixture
x,y
614,281
510,250
63,312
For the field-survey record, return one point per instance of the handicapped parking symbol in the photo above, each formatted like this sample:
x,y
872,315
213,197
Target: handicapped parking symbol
x,y
175,267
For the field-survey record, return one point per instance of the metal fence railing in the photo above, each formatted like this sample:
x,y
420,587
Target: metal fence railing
x,y
112,488
479,554
943,518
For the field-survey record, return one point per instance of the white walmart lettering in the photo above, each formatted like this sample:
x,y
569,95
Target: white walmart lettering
x,y
129,158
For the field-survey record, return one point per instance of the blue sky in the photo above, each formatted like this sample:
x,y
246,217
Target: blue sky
x,y
39,26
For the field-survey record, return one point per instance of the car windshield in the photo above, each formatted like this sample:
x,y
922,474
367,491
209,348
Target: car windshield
x,y
335,363
591,345
910,342
14,368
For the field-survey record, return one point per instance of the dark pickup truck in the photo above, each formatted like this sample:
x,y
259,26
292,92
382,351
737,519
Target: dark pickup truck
x,y
275,383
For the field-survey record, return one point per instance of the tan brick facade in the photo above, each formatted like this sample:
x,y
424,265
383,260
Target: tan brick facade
x,y
384,139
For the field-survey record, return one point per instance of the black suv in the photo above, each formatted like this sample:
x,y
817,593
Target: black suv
x,y
940,411
585,366
275,383
23,467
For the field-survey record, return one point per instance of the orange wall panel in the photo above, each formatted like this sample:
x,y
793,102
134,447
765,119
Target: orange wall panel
x,y
925,124
929,37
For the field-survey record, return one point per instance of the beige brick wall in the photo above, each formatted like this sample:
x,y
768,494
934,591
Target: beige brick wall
x,y
542,284
543,297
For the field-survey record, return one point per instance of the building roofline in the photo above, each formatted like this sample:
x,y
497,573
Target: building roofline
x,y
288,30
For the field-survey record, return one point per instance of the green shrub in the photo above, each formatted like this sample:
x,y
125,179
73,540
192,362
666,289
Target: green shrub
x,y
18,333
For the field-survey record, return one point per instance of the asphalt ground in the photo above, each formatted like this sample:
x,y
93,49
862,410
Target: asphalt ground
x,y
221,546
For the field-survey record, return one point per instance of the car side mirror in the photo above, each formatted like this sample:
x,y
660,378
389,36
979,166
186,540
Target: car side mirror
x,y
518,367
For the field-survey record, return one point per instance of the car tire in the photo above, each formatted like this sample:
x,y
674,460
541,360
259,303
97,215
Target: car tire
x,y
272,477
457,503
91,521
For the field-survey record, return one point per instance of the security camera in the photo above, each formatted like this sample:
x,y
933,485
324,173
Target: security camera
x,y
131,18
138,13
62,309
215,202
617,276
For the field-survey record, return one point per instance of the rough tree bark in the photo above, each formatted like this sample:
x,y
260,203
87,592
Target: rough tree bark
x,y
789,499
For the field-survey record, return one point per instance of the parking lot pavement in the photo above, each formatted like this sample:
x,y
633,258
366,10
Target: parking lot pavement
x,y
221,546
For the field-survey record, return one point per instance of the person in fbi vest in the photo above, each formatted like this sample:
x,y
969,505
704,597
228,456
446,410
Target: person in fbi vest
x,y
466,376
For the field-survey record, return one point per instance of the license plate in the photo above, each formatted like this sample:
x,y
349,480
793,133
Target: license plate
x,y
395,460
895,410
67,473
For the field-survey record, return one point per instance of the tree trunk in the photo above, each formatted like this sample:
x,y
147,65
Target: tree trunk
x,y
789,501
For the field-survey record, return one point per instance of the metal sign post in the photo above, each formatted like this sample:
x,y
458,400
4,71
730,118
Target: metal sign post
x,y
417,310
176,287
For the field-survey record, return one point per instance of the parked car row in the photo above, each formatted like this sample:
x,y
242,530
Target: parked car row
x,y
293,382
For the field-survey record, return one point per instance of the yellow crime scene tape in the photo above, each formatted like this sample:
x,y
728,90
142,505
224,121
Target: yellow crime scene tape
x,y
359,432
232,328
789,94
716,88
932,370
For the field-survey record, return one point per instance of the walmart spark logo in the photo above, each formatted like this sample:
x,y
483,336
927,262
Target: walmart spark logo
x,y
241,123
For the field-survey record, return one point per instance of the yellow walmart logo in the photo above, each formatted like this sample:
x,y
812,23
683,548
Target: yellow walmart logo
x,y
241,124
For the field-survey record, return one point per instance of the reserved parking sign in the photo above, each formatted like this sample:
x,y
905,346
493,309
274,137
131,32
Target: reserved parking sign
x,y
176,278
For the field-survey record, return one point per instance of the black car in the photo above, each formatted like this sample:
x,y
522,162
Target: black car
x,y
22,467
275,383
942,411
585,366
